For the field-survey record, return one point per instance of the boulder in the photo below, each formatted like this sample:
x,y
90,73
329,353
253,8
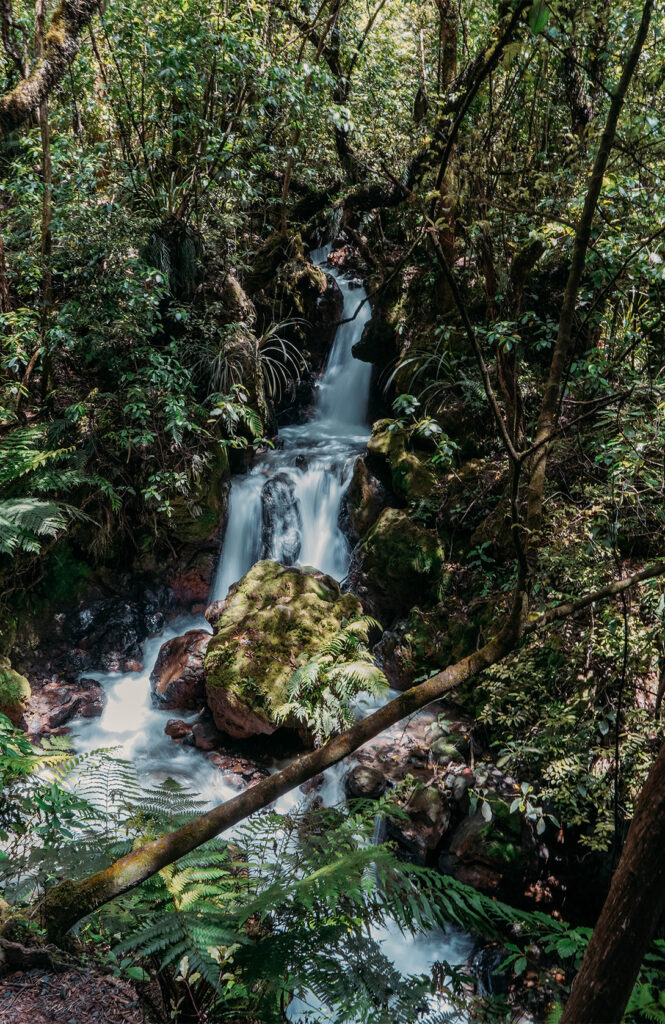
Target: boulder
x,y
428,810
282,522
177,729
363,502
410,477
425,641
176,681
56,701
365,782
398,564
272,621
14,693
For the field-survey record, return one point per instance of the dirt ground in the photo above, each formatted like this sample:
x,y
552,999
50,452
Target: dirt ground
x,y
71,997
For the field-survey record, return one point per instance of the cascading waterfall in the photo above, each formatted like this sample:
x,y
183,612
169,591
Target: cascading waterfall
x,y
300,517
285,507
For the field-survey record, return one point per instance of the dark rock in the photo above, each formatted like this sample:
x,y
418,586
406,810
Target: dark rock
x,y
55,701
397,564
485,965
363,502
365,781
206,735
132,665
177,680
428,811
177,729
282,523
191,580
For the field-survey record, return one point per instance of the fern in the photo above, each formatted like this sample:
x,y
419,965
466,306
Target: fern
x,y
322,693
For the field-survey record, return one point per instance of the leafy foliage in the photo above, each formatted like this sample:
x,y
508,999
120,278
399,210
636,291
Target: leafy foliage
x,y
322,693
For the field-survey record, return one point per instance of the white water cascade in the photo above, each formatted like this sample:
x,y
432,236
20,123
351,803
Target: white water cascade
x,y
285,507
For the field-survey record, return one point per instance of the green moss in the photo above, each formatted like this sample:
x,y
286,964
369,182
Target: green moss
x,y
410,477
14,692
210,498
402,559
273,620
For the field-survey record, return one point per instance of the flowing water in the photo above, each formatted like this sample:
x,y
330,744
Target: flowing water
x,y
285,507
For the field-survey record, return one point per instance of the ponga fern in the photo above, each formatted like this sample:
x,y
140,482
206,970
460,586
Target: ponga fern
x,y
322,693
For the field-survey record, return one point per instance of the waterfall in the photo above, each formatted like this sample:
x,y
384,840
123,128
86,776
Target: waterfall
x,y
313,467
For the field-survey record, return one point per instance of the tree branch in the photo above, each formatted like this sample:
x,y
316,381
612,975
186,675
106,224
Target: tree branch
x,y
61,45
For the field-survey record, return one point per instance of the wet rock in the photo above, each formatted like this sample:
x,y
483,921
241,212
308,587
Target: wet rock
x,y
239,771
14,693
363,502
109,631
132,665
206,736
56,701
485,965
177,680
282,521
191,580
365,782
177,729
272,621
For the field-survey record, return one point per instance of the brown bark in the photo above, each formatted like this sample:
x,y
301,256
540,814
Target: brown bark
x,y
61,44
634,905
4,288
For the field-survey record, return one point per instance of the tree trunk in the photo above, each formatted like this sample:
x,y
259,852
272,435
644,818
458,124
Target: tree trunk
x,y
563,345
60,46
47,206
629,917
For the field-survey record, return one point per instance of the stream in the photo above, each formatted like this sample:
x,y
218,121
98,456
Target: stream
x,y
285,507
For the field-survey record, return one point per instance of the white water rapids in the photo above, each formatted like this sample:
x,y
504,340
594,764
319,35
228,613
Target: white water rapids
x,y
306,479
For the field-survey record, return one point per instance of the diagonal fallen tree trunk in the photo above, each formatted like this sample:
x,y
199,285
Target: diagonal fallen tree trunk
x,y
69,901
60,47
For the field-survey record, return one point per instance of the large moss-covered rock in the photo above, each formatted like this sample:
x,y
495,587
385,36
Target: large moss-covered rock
x,y
410,477
273,620
14,693
398,564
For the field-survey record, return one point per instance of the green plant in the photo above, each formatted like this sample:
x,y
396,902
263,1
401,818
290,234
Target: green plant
x,y
321,693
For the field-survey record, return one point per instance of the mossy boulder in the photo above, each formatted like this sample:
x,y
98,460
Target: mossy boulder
x,y
398,564
273,620
410,477
363,502
426,641
14,693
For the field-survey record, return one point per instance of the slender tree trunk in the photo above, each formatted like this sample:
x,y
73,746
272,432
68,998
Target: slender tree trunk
x,y
627,922
564,341
47,207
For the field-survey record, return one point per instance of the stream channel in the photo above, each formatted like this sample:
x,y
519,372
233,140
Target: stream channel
x,y
307,477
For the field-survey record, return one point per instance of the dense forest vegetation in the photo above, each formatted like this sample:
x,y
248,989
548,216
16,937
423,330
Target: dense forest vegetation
x,y
357,308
